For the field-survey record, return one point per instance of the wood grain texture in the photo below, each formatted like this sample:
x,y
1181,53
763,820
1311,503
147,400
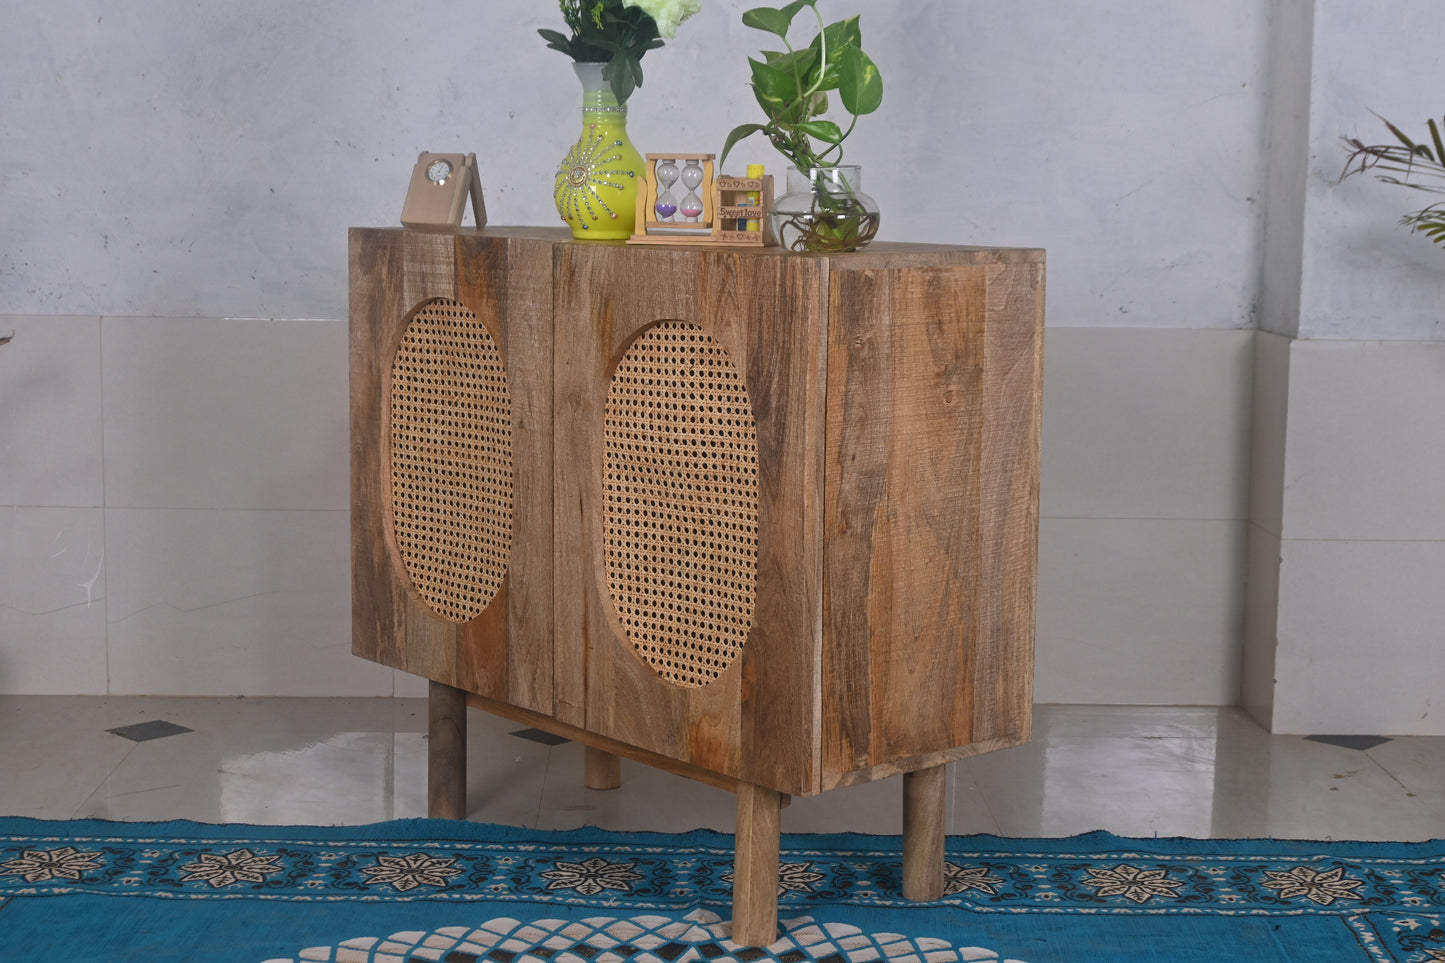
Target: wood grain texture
x,y
755,866
446,754
593,740
925,814
920,548
510,656
601,769
376,296
896,398
1013,390
763,313
504,652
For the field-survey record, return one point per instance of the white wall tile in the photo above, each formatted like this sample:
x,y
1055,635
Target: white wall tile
x,y
233,602
50,401
1146,424
1361,638
1139,612
52,601
225,413
1268,424
1365,453
1261,617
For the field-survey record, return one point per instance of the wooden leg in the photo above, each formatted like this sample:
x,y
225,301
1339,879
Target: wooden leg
x,y
446,756
755,866
925,801
603,769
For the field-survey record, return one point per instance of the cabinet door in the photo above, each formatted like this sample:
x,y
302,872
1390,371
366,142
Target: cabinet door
x,y
451,459
688,465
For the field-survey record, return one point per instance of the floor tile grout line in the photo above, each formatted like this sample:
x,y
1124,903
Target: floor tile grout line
x,y
1424,798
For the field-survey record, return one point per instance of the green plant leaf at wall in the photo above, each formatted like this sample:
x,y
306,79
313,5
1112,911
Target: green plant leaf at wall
x,y
1407,163
791,86
775,20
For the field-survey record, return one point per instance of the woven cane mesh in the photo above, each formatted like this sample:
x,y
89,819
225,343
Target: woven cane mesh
x,y
451,459
680,524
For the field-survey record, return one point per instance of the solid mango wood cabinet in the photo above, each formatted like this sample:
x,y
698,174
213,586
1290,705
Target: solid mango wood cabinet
x,y
763,519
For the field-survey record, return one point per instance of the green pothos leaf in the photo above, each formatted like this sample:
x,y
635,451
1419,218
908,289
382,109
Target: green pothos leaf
x,y
737,134
774,20
860,86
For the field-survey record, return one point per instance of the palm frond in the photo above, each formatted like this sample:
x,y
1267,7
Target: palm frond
x,y
1429,222
1405,164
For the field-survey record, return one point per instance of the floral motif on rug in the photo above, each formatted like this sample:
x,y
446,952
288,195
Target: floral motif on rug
x,y
444,892
652,877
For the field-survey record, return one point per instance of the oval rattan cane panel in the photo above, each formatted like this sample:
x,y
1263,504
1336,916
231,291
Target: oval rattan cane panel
x,y
451,459
680,495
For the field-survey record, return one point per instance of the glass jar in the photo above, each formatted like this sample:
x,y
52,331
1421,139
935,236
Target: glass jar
x,y
824,211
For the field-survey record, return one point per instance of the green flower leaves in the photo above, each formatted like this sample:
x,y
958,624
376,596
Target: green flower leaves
x,y
615,33
791,86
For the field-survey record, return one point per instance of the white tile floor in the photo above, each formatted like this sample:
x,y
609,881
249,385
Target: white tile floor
x,y
1133,771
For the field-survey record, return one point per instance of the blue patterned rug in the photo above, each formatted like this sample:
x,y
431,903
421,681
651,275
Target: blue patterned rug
x,y
445,892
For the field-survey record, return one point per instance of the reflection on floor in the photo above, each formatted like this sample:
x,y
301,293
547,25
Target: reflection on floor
x,y
1133,771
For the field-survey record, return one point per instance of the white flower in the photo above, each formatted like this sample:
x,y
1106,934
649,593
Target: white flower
x,y
667,13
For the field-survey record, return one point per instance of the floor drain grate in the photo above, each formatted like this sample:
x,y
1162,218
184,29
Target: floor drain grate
x,y
146,731
1350,742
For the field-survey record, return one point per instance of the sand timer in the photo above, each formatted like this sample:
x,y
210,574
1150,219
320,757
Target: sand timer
x,y
666,172
691,206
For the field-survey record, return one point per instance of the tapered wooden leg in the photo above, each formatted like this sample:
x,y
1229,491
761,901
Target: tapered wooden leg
x,y
603,769
755,866
925,801
446,756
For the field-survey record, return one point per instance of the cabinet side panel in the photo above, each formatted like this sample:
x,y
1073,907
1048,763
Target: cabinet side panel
x,y
389,624
1013,388
915,570
377,299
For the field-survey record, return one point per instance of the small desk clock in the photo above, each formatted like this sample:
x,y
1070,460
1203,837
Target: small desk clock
x,y
440,185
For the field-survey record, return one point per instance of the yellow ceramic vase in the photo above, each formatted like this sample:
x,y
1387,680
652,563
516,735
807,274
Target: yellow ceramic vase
x,y
596,190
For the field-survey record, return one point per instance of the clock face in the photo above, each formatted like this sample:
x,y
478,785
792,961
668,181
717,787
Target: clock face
x,y
439,171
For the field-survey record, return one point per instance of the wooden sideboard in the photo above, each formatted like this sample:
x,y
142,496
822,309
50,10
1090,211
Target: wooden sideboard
x,y
767,520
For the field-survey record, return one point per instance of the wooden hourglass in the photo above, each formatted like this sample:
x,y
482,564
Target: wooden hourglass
x,y
682,202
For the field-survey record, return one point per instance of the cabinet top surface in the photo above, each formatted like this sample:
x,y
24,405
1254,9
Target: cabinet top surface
x,y
872,255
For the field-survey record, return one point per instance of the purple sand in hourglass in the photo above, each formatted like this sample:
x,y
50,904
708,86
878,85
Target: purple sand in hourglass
x,y
665,210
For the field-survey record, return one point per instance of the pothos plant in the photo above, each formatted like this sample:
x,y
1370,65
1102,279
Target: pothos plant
x,y
1409,164
617,33
792,87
